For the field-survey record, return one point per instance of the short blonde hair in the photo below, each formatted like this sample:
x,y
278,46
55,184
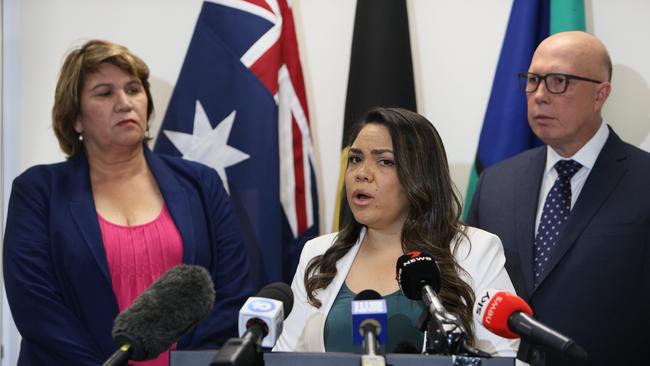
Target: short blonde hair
x,y
78,64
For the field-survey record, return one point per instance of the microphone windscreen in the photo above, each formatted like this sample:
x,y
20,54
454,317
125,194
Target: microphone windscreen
x,y
415,269
368,295
165,311
279,291
494,308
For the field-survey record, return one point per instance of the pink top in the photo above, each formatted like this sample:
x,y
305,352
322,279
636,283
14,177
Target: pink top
x,y
137,255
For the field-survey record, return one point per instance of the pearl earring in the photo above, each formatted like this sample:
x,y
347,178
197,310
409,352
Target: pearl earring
x,y
81,137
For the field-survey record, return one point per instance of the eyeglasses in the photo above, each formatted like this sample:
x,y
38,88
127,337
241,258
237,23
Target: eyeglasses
x,y
555,83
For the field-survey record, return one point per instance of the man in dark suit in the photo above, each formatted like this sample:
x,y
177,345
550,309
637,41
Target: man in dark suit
x,y
576,234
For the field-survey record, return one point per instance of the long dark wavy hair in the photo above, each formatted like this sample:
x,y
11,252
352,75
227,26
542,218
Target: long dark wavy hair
x,y
433,223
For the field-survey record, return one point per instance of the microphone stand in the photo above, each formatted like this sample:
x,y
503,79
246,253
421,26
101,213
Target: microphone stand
x,y
245,351
435,341
371,356
532,354
445,333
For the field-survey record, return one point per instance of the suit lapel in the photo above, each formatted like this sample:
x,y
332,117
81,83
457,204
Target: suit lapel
x,y
342,268
176,201
329,294
526,199
603,179
84,213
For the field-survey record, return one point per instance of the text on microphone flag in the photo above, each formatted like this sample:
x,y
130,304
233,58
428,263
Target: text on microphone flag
x,y
369,306
494,307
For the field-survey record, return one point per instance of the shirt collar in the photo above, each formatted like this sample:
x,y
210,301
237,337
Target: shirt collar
x,y
587,154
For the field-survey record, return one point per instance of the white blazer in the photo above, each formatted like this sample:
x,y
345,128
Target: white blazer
x,y
484,263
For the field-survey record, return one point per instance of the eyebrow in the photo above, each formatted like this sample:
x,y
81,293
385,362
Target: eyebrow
x,y
130,82
373,151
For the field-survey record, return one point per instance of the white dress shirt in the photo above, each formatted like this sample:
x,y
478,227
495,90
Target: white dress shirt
x,y
586,156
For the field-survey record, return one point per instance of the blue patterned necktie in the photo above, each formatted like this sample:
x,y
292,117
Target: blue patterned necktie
x,y
554,214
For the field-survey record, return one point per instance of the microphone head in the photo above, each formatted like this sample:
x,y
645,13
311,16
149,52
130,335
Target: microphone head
x,y
494,308
164,312
368,295
414,270
369,310
279,291
270,306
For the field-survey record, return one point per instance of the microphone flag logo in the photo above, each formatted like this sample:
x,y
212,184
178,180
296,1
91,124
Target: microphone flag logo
x,y
414,253
261,305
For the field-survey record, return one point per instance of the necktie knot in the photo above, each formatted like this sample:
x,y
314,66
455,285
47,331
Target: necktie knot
x,y
567,168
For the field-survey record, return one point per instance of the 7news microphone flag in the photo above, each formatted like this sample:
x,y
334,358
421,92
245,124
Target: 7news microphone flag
x,y
239,106
505,130
381,69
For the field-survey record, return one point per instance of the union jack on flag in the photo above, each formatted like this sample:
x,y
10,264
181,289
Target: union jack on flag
x,y
239,106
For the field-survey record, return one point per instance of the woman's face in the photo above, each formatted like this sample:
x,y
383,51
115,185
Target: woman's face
x,y
113,109
373,189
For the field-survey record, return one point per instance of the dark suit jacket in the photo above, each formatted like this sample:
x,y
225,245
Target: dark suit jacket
x,y
55,269
596,287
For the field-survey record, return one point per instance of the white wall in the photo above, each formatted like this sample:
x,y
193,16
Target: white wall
x,y
456,45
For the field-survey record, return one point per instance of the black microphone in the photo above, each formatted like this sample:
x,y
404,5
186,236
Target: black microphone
x,y
260,324
418,276
162,314
419,279
507,315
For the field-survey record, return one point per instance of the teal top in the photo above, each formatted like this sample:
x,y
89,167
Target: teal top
x,y
402,319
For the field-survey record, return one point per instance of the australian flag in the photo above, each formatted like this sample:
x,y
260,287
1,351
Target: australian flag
x,y
239,106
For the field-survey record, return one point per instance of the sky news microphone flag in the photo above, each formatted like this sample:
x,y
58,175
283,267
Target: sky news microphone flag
x,y
505,131
239,106
381,69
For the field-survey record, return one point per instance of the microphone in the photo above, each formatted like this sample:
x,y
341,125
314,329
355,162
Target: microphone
x,y
260,325
418,276
162,314
507,315
419,279
369,319
266,312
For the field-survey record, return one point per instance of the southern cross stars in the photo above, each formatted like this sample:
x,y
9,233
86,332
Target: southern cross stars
x,y
208,145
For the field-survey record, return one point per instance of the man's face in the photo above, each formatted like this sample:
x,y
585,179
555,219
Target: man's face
x,y
566,121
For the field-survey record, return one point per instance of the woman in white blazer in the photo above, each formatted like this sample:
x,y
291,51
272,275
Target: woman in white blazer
x,y
399,197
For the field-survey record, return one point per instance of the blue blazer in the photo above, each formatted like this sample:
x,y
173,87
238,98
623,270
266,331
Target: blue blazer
x,y
596,288
55,269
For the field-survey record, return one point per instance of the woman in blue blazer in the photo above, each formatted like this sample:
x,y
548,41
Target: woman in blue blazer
x,y
59,273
